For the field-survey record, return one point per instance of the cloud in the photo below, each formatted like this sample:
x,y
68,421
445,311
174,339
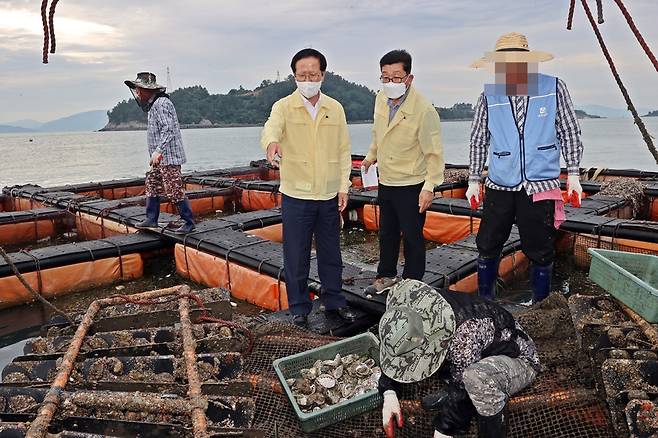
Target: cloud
x,y
222,45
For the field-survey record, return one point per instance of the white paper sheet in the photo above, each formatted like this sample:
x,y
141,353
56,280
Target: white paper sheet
x,y
370,178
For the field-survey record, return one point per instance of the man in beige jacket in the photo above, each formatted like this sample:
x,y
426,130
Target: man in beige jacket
x,y
307,130
407,147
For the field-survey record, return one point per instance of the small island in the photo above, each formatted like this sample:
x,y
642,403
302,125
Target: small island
x,y
653,113
197,108
583,115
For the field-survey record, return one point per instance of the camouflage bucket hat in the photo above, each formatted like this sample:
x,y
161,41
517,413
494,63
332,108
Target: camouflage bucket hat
x,y
146,80
414,332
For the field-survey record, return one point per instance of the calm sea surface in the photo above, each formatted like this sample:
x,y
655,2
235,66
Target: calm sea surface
x,y
58,158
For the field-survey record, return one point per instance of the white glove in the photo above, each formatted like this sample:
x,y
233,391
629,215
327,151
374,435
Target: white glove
x,y
438,434
391,411
473,191
573,185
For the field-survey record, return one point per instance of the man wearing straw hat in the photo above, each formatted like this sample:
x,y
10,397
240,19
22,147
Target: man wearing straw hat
x,y
486,355
166,152
522,123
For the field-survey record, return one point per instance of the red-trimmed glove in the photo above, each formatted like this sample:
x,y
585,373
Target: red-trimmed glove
x,y
473,194
391,413
574,190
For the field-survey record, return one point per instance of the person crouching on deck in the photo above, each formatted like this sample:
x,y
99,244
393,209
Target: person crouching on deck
x,y
521,124
165,147
486,355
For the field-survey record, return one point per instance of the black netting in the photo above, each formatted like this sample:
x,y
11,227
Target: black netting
x,y
561,403
584,241
586,418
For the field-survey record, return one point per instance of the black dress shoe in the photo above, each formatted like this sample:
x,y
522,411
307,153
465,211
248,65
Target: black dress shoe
x,y
299,320
344,313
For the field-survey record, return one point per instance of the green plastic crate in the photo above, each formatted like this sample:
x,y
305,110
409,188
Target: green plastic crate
x,y
631,278
289,367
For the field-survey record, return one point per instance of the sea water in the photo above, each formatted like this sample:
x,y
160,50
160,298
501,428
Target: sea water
x,y
61,158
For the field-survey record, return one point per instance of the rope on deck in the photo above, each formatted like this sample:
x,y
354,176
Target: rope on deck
x,y
34,293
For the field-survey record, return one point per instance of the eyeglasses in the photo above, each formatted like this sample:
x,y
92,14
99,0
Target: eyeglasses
x,y
395,79
312,77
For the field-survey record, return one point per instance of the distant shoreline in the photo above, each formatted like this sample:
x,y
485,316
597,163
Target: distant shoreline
x,y
142,127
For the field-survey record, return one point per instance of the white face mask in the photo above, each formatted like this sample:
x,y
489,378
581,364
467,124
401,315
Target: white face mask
x,y
309,89
393,90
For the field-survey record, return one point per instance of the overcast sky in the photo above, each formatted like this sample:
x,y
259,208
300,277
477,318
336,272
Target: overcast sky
x,y
222,44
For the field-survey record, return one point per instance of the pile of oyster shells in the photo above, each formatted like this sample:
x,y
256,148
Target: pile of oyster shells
x,y
329,382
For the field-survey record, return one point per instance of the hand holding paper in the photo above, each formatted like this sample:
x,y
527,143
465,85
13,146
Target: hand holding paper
x,y
369,177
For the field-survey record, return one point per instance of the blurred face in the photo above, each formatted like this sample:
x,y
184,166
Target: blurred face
x,y
308,70
512,73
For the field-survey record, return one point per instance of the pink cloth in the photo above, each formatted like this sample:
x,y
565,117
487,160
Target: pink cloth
x,y
553,195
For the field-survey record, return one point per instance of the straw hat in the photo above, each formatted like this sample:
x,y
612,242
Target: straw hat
x,y
512,47
145,80
415,331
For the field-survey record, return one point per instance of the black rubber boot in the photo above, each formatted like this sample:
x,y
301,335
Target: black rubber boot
x,y
487,274
188,217
492,427
454,410
152,214
541,282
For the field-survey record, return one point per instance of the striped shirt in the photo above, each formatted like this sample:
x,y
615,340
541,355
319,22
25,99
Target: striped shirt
x,y
568,134
163,133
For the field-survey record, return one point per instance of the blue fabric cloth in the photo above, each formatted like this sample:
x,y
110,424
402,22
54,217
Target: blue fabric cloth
x,y
303,219
529,150
163,133
568,133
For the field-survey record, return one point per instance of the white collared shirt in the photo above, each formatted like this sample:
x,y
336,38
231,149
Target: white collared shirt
x,y
312,109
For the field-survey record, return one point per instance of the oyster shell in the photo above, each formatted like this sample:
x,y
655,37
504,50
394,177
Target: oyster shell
x,y
331,381
326,381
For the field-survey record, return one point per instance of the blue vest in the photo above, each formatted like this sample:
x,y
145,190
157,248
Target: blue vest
x,y
528,154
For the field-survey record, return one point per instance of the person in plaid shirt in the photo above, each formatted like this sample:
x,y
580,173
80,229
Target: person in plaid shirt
x,y
165,147
522,124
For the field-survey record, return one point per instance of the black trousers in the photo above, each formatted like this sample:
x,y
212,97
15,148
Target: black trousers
x,y
534,220
398,211
303,219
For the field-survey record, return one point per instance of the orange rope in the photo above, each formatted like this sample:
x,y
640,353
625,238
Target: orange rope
x,y
204,313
